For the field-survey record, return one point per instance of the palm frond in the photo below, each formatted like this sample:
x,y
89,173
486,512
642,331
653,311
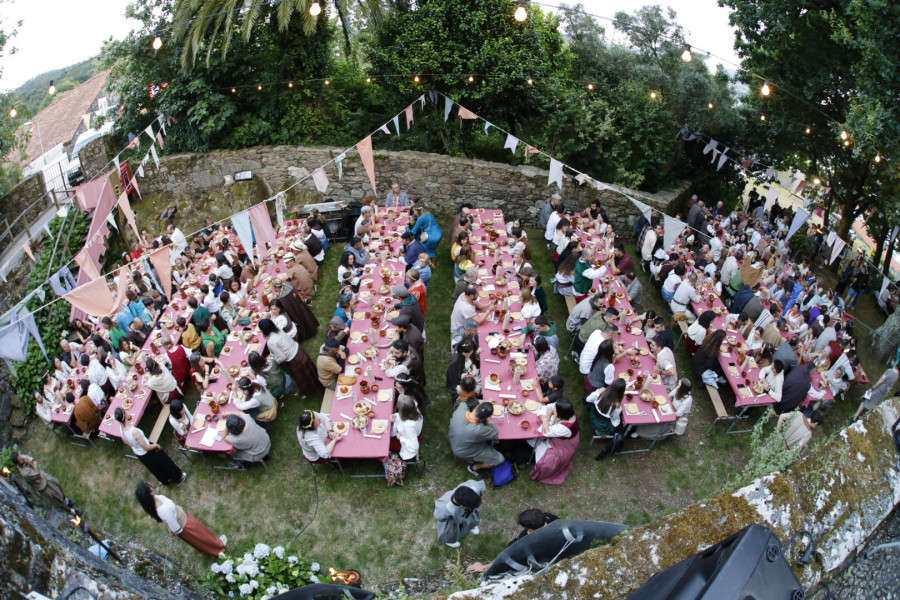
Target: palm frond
x,y
344,18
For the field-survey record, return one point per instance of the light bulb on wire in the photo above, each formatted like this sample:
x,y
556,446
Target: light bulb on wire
x,y
765,90
686,56
710,106
808,130
521,14
13,112
416,79
653,95
530,81
878,158
844,135
315,9
52,89
157,43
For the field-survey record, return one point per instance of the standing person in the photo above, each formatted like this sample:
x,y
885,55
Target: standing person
x,y
876,394
152,455
45,485
292,355
406,425
180,522
458,512
427,231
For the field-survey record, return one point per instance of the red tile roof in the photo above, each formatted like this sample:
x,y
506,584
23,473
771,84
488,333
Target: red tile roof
x,y
59,121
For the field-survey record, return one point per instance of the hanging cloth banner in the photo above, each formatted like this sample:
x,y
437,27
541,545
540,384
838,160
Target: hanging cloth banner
x,y
111,221
262,227
422,101
140,169
385,129
241,224
62,281
154,155
149,131
433,95
163,265
723,158
87,265
512,142
397,124
162,123
531,149
771,198
799,219
556,174
830,239
747,163
448,106
95,299
409,117
320,179
117,163
715,155
339,162
159,139
884,285
365,153
645,210
837,249
710,146
771,173
14,338
673,228
280,208
465,113
800,187
125,207
487,125
27,248
135,185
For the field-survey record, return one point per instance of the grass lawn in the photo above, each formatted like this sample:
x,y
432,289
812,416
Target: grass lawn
x,y
388,533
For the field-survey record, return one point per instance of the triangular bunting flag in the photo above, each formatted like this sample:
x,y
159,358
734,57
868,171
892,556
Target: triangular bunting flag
x,y
799,219
27,248
710,146
747,162
531,149
149,131
397,124
135,185
125,207
409,117
645,209
512,142
154,155
838,248
140,170
715,155
422,101
364,148
448,106
162,123
673,228
339,163
433,95
800,187
117,163
487,125
771,198
465,113
723,158
556,173
320,179
159,139
385,129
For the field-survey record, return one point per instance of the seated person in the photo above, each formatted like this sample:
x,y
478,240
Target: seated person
x,y
472,434
555,451
316,435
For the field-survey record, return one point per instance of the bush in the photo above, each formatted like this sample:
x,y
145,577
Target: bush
x,y
262,574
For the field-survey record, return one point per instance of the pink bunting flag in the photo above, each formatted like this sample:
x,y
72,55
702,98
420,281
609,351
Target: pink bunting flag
x,y
159,139
465,113
531,149
364,148
93,298
125,207
320,179
27,248
83,260
79,200
262,227
747,163
800,187
135,185
409,117
163,266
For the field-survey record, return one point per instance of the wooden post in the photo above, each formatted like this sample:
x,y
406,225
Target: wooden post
x,y
55,201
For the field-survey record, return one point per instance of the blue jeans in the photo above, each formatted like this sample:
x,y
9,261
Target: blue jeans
x,y
852,298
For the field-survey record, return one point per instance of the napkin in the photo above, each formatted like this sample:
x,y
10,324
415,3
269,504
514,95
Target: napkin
x,y
209,437
490,386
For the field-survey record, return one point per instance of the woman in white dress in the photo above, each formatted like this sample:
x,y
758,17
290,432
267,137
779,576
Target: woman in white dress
x,y
406,427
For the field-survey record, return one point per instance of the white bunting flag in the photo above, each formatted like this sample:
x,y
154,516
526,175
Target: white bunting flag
x,y
771,198
710,146
339,163
645,210
838,248
674,227
149,131
556,173
487,125
320,179
723,158
884,285
162,123
422,100
397,124
385,129
799,219
448,106
830,239
512,142
154,155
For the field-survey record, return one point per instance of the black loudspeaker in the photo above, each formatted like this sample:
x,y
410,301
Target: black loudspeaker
x,y
747,566
325,591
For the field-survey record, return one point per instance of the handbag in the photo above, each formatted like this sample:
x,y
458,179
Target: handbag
x,y
503,473
423,237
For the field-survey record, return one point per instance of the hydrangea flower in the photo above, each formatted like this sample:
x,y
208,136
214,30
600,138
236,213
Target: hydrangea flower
x,y
247,557
293,560
279,551
261,551
229,578
245,589
242,569
314,579
254,584
271,590
266,597
214,567
252,571
315,567
227,567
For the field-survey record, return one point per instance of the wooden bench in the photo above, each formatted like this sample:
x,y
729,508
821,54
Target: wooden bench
x,y
327,401
721,411
570,302
160,424
683,326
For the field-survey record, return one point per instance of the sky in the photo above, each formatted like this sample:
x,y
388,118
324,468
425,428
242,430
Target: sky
x,y
59,33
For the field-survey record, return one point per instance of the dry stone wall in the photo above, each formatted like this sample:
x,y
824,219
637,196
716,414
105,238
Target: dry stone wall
x,y
443,182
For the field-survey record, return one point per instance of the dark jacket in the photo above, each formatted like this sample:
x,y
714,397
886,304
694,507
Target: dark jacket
x,y
795,389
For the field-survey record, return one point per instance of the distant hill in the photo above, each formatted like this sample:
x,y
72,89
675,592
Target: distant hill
x,y
33,93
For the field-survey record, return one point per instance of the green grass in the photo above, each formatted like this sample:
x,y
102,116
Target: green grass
x,y
388,533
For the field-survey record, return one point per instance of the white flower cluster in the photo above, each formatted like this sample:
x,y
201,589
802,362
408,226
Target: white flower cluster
x,y
293,560
245,589
278,551
226,568
315,567
261,551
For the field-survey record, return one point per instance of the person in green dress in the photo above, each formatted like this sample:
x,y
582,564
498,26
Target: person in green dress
x,y
213,339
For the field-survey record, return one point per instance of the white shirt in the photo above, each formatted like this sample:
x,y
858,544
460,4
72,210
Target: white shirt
x,y
462,310
313,441
666,360
183,426
168,514
615,416
589,352
729,268
531,310
408,434
775,381
95,393
225,272
282,347
96,373
131,437
649,243
671,282
117,373
552,222
685,294
179,241
697,332
211,303
715,246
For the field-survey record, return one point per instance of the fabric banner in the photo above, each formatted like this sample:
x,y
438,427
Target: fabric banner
x,y
487,125
159,139
89,194
465,113
280,208
800,187
830,239
385,129
771,173
365,153
163,265
556,173
422,101
771,198
149,130
645,209
262,227
140,170
95,299
512,142
409,117
723,158
339,163
884,285
838,248
87,265
397,124
710,146
799,219
244,231
27,248
531,149
162,123
125,207
748,162
320,179
62,281
154,155
135,185
673,228
14,338
448,106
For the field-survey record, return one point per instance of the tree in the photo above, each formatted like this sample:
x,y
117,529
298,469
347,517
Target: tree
x,y
10,172
818,58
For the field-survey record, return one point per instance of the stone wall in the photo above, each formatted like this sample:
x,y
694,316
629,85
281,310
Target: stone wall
x,y
95,156
17,200
840,491
443,182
